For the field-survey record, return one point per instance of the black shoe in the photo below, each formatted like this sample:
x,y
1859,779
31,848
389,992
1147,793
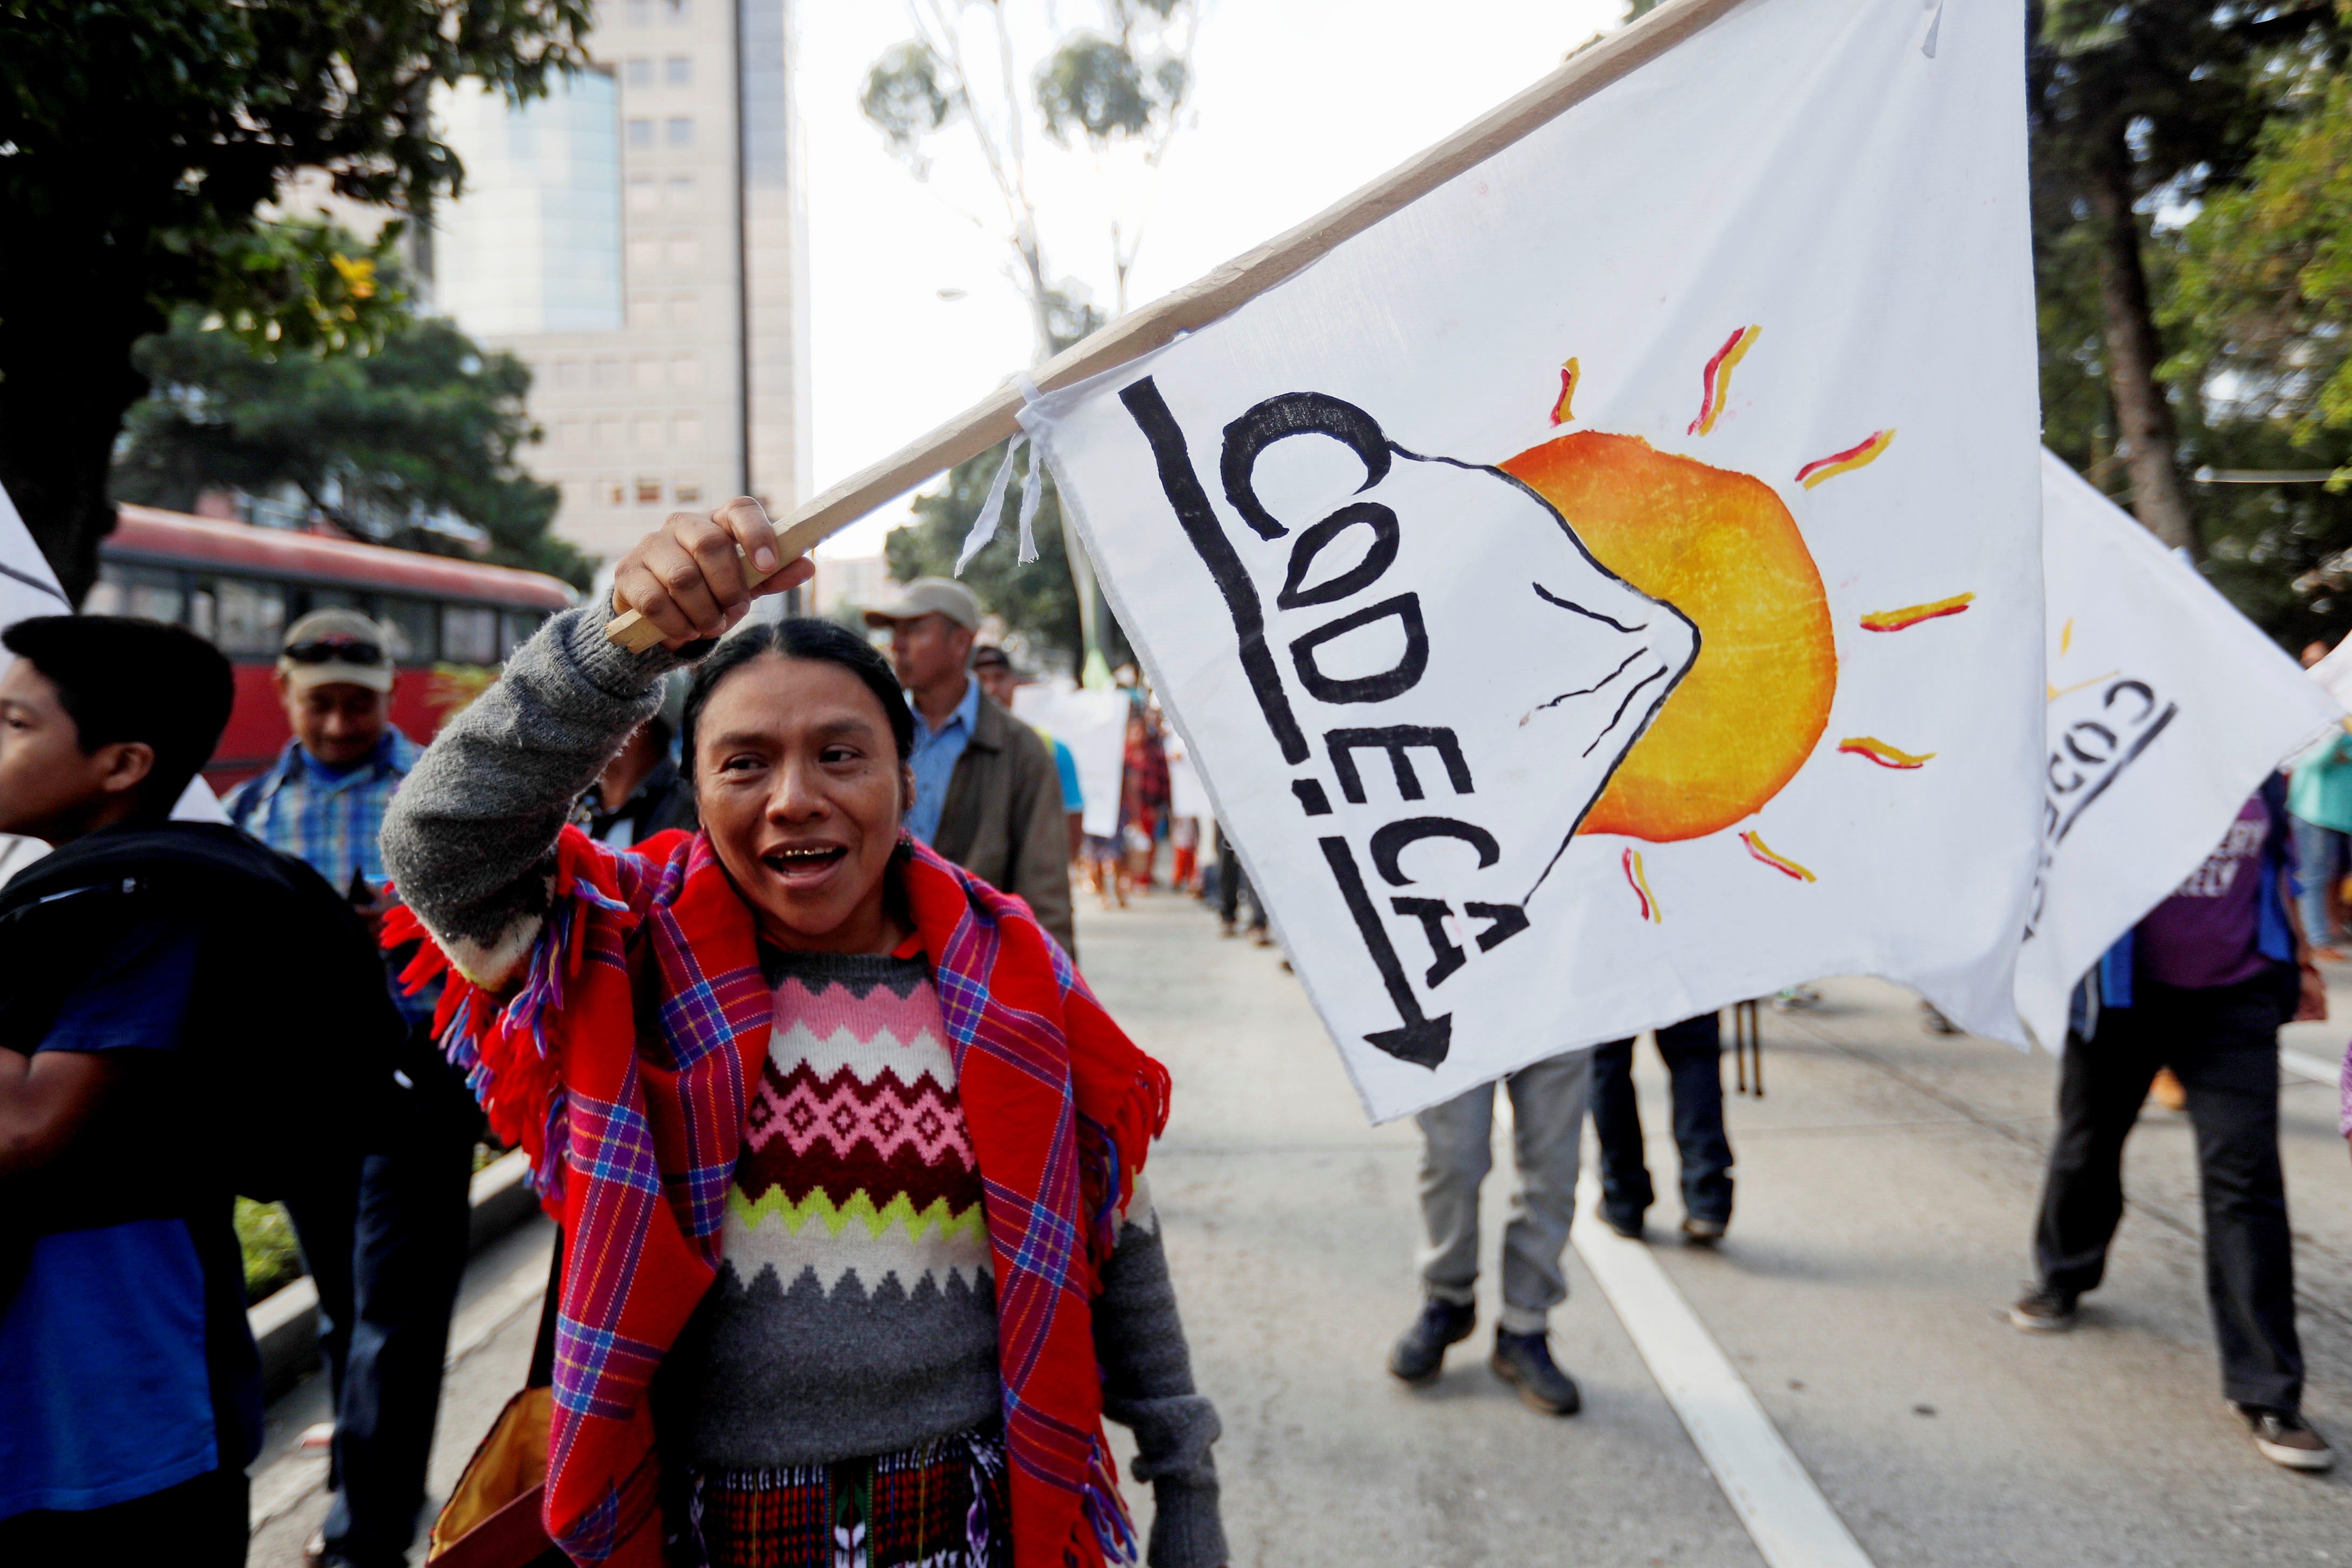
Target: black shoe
x,y
1628,1225
2045,1308
1701,1232
1420,1353
1524,1360
2285,1438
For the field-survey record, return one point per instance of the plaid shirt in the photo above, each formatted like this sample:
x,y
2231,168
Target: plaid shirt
x,y
331,824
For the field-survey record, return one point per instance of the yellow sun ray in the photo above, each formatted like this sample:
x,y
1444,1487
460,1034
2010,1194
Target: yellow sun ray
x,y
1879,752
1561,411
1715,382
1781,863
1913,614
1860,455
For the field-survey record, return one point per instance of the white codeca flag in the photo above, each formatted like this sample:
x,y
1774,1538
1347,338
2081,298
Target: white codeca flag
x,y
2167,709
1608,587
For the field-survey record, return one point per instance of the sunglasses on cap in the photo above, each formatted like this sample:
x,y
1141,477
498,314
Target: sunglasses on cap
x,y
338,652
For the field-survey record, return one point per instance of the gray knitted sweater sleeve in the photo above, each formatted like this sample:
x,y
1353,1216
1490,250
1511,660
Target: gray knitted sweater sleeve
x,y
470,837
1146,1372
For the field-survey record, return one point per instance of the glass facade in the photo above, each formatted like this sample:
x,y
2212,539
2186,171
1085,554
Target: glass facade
x,y
534,243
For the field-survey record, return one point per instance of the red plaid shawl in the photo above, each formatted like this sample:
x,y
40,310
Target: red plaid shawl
x,y
622,1059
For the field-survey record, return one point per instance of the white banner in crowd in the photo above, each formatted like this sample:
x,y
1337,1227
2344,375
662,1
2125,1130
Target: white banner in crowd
x,y
2168,708
1093,724
1608,587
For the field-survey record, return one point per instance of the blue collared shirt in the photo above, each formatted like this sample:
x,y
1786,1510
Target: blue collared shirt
x,y
934,762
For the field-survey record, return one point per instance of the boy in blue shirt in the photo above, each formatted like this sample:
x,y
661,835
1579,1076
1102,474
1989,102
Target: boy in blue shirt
x,y
147,1074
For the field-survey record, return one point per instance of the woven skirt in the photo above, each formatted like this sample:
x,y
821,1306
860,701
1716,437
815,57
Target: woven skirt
x,y
942,1504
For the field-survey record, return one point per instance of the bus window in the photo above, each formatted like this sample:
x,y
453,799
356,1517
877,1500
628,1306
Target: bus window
x,y
330,599
149,591
469,633
515,628
416,629
251,616
203,620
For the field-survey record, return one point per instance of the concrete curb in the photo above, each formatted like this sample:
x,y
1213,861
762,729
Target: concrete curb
x,y
285,1323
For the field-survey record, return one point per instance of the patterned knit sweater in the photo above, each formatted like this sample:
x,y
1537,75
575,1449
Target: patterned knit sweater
x,y
852,1314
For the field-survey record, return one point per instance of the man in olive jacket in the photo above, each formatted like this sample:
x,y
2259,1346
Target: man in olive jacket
x,y
987,794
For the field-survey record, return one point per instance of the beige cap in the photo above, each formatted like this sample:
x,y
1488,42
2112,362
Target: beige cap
x,y
928,597
336,647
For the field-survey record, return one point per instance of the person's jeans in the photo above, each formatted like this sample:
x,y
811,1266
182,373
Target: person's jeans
x,y
2322,856
200,1523
2222,1044
1457,1150
384,1238
1693,1052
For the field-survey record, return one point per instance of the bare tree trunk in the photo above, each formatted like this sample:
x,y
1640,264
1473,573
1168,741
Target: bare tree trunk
x,y
2146,440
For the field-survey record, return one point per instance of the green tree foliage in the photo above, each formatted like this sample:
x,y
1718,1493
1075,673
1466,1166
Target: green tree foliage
x,y
425,426
138,140
2139,106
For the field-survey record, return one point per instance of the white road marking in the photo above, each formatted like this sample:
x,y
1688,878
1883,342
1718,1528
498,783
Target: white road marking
x,y
2309,1065
1792,1523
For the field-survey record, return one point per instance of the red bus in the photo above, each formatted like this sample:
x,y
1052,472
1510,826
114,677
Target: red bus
x,y
452,621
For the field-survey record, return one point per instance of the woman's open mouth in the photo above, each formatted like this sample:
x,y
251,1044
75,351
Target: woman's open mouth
x,y
805,862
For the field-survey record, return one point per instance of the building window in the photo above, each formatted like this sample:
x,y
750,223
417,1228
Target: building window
x,y
685,251
649,492
645,372
638,73
680,193
414,624
644,194
686,431
684,370
677,11
681,309
641,133
645,255
567,374
608,434
637,13
679,70
649,434
515,628
680,130
608,370
609,489
469,633
572,435
644,309
686,491
251,615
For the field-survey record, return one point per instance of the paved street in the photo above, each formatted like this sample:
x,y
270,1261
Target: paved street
x,y
1886,1183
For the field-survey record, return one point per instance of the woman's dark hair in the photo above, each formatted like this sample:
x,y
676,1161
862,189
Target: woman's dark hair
x,y
119,677
803,637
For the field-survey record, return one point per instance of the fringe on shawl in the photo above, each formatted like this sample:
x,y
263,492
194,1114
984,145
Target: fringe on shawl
x,y
1104,1508
500,1042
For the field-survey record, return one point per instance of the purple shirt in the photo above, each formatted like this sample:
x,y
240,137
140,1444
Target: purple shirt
x,y
2208,932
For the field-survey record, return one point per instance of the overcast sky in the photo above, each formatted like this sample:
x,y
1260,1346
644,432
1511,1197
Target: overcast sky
x,y
1297,102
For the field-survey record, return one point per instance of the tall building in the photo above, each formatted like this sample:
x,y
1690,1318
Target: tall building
x,y
637,239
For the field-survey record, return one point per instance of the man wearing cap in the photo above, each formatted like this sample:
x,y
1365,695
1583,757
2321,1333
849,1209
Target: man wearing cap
x,y
386,1235
987,794
992,668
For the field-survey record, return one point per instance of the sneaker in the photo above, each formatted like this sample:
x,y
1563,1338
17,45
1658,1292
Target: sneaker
x,y
2045,1308
1700,1232
1628,1225
1524,1360
1419,1355
1794,997
2285,1438
1932,1020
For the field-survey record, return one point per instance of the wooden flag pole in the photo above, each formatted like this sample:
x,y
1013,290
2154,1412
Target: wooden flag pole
x,y
1233,284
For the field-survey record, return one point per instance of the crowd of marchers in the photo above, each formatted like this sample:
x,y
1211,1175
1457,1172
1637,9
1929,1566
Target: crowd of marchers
x,y
759,944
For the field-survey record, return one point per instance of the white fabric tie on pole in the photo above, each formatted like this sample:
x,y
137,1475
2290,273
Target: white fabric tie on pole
x,y
992,511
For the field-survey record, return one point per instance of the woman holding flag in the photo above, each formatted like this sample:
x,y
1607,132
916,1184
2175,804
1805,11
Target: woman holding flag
x,y
846,1155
